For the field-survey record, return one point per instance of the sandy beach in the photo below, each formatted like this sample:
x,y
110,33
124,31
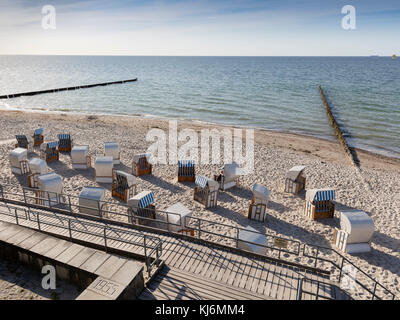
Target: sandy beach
x,y
374,188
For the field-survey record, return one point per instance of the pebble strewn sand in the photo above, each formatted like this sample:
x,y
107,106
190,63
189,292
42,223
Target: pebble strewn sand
x,y
375,190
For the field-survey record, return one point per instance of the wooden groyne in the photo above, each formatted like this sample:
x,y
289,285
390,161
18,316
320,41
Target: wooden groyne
x,y
33,93
339,134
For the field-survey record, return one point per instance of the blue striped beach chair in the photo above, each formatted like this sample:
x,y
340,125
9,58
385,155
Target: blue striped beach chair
x,y
206,191
38,137
186,170
142,205
49,152
64,142
319,203
23,142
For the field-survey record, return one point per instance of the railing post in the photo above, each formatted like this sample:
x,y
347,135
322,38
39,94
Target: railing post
x,y
300,289
199,222
373,294
237,237
316,258
23,191
105,238
69,229
16,216
341,268
168,228
145,255
38,222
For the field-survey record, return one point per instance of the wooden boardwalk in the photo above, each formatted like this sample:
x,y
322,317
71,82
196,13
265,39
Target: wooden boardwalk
x,y
189,265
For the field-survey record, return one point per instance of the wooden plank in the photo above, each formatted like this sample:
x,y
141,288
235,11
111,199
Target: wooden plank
x,y
95,261
69,253
226,268
266,268
81,257
236,270
62,246
44,246
245,275
20,236
269,280
256,276
32,240
12,230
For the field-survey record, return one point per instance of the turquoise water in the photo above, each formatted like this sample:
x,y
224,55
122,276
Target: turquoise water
x,y
276,93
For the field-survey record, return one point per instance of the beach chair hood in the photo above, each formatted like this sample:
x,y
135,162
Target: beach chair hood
x,y
130,179
138,156
294,173
320,195
231,171
50,182
38,166
38,132
104,166
358,224
18,155
177,214
203,182
260,193
79,154
141,200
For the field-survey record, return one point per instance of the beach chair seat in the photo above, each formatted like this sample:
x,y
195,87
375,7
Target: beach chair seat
x,y
319,203
124,185
229,175
206,191
91,201
252,241
141,205
295,180
80,157
104,169
38,137
37,167
259,202
355,233
49,151
186,171
19,161
111,149
50,187
64,142
24,142
141,165
178,219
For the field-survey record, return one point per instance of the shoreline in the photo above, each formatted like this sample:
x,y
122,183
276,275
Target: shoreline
x,y
370,155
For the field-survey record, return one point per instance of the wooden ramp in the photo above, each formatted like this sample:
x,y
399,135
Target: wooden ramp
x,y
191,263
174,284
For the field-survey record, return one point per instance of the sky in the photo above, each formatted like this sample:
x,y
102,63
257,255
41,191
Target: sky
x,y
200,27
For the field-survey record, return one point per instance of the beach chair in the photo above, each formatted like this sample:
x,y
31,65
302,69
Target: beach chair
x,y
38,137
19,161
141,164
355,233
319,203
104,170
50,187
24,142
259,202
206,191
36,168
178,216
91,201
80,157
295,180
124,185
142,205
111,149
49,151
64,142
251,240
186,171
228,176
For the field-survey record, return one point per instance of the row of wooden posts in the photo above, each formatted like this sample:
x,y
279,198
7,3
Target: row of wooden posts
x,y
337,128
33,93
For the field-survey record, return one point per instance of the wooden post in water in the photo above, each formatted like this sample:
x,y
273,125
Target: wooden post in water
x,y
33,93
338,130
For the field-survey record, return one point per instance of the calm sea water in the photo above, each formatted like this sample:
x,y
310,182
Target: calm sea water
x,y
277,93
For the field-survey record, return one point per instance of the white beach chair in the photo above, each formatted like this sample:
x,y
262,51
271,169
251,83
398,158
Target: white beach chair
x,y
206,191
124,185
80,157
37,167
142,205
111,149
91,201
141,164
355,233
251,240
259,202
19,161
104,168
177,218
319,203
228,178
295,180
50,187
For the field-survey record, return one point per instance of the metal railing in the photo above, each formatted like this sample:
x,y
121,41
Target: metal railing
x,y
289,250
75,227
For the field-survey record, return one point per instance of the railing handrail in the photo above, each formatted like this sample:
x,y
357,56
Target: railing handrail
x,y
156,243
200,231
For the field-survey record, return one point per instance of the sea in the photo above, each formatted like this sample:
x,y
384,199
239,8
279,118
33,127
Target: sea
x,y
272,93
